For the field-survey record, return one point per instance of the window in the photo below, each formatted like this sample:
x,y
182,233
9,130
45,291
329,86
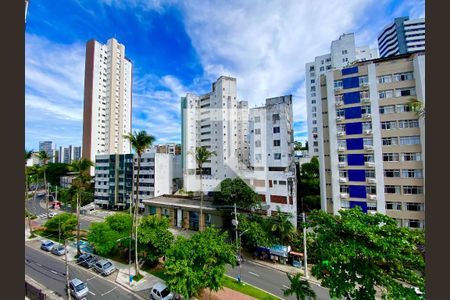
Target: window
x,y
340,112
276,143
410,140
385,79
345,59
412,173
366,125
342,158
367,141
313,89
405,92
340,127
364,95
371,189
337,84
393,205
414,206
313,80
365,110
276,129
345,204
344,52
314,109
404,76
322,69
408,124
387,109
369,158
390,157
363,80
329,67
257,131
282,182
275,117
392,189
343,173
371,206
311,68
257,119
370,173
277,156
338,98
385,94
412,190
344,188
257,143
403,108
389,141
328,59
415,224
388,125
416,156
341,143
313,101
391,173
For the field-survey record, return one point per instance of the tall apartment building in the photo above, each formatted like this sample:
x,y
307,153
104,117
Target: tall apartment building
x,y
402,36
159,175
49,148
212,120
69,154
342,53
107,99
271,155
372,145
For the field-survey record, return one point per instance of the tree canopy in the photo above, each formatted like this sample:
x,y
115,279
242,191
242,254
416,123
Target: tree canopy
x,y
102,237
309,184
154,237
65,222
362,251
199,262
236,190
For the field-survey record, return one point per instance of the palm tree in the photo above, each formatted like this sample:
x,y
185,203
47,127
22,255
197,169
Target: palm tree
x,y
44,158
417,106
28,154
202,155
282,226
299,287
139,141
81,181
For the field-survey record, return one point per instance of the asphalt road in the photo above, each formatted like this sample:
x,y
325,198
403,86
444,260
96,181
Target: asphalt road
x,y
271,280
34,205
49,270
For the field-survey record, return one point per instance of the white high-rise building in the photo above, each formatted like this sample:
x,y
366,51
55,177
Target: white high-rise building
x,y
107,99
402,36
343,52
49,148
213,120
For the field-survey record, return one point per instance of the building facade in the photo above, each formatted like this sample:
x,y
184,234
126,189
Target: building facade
x,y
107,99
402,36
114,173
372,143
342,53
49,148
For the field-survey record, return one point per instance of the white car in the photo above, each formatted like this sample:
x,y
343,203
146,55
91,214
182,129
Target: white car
x,y
161,292
51,215
78,289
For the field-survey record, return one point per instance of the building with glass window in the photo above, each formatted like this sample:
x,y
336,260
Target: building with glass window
x,y
342,53
372,144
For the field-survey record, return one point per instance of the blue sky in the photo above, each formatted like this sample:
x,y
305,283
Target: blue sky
x,y
183,46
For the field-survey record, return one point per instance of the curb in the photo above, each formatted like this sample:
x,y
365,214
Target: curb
x,y
124,286
254,287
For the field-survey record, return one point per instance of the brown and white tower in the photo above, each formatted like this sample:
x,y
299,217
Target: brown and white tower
x,y
107,99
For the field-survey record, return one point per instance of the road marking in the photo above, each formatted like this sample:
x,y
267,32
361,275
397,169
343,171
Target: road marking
x,y
98,275
254,274
39,264
109,291
286,286
54,272
91,293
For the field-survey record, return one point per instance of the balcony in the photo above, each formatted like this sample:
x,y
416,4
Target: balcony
x,y
342,164
370,164
372,197
341,149
367,131
365,100
344,195
368,147
339,118
340,133
371,180
367,116
343,179
339,103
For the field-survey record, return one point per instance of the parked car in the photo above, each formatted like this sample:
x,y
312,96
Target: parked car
x,y
51,215
104,267
47,245
86,260
160,292
78,289
58,250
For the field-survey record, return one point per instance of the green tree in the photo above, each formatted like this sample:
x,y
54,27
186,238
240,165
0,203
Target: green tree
x,y
120,222
154,237
55,171
102,237
417,106
299,287
309,185
202,155
139,142
80,183
365,251
255,231
298,146
199,262
28,154
281,226
63,223
236,191
44,158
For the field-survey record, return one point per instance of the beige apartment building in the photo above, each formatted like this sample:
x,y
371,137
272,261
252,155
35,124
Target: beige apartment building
x,y
372,146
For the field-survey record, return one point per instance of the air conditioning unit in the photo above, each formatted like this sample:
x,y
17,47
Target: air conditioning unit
x,y
368,147
340,133
372,197
371,180
365,100
344,195
339,118
368,131
342,164
340,149
366,116
343,179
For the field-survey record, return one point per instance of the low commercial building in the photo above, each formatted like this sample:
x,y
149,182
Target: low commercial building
x,y
183,212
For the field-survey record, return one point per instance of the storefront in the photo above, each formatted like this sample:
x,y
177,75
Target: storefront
x,y
279,253
296,259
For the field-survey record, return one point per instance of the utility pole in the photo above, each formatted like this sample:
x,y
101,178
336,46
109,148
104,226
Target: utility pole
x,y
304,246
67,268
130,279
236,223
56,193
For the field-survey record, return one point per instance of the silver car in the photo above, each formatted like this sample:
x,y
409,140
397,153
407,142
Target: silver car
x,y
104,267
160,292
78,289
58,250
47,245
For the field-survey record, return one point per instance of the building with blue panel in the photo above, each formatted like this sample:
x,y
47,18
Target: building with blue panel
x,y
373,151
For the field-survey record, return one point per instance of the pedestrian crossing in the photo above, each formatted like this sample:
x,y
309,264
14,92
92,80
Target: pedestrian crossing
x,y
42,216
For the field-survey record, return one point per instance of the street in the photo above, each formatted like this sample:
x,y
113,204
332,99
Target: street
x,y
49,270
270,280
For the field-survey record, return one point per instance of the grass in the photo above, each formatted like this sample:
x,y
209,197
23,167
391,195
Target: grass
x,y
247,289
